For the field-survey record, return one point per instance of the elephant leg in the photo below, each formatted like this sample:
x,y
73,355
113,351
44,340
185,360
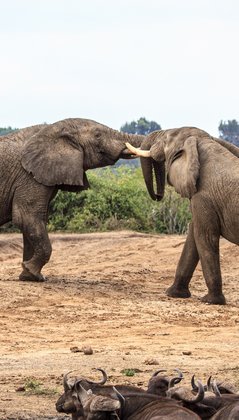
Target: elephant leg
x,y
28,250
29,213
37,251
207,236
28,253
186,266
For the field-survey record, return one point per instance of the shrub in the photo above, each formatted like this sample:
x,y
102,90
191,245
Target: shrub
x,y
118,200
172,215
34,387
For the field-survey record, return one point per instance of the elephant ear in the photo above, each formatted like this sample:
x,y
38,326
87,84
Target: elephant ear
x,y
183,168
54,158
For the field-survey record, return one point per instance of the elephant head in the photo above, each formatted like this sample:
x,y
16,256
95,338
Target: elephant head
x,y
174,151
59,154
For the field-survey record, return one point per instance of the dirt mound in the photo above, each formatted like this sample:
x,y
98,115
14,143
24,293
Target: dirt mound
x,y
107,291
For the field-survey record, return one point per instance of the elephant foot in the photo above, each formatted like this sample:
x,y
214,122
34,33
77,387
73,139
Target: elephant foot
x,y
214,299
27,275
177,292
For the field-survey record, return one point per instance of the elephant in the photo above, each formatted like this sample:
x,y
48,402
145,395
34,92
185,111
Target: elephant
x,y
206,171
38,161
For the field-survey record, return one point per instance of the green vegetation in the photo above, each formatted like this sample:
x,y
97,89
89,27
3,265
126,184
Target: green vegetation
x,y
141,126
118,200
229,130
6,130
33,386
128,372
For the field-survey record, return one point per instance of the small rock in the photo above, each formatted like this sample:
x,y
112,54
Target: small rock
x,y
75,349
187,353
151,362
21,389
87,350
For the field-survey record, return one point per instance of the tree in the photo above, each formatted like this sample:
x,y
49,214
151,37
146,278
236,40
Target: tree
x,y
6,130
229,130
142,126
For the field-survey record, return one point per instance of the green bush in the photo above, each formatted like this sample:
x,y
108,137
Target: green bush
x,y
118,200
172,214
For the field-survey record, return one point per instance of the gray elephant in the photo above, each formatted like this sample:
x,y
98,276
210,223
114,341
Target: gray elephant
x,y
39,160
205,170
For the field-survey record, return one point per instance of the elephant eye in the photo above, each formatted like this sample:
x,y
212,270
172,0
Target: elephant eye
x,y
97,134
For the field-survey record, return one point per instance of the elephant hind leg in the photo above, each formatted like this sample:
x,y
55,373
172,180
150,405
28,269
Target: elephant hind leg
x,y
207,236
31,219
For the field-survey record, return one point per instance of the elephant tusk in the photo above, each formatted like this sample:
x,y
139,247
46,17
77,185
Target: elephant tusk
x,y
137,151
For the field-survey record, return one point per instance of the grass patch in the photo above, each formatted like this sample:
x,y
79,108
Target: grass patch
x,y
128,372
34,387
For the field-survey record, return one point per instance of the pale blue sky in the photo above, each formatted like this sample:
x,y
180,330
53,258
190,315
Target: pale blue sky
x,y
172,61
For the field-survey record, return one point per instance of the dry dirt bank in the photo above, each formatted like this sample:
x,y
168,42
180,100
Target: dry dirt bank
x,y
107,291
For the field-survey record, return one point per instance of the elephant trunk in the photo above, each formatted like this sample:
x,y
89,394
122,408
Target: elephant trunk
x,y
134,139
151,168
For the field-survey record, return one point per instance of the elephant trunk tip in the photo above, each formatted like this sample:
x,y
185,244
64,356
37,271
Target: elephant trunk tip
x,y
159,197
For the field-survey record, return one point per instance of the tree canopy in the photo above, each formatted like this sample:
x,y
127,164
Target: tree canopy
x,y
229,130
6,130
141,126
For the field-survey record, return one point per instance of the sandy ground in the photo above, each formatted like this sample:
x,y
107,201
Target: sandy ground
x,y
107,291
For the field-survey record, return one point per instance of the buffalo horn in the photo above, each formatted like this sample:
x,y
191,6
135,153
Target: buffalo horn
x,y
103,380
190,398
157,372
215,389
120,397
66,383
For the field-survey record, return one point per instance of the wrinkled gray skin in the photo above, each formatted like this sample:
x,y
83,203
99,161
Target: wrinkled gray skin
x,y
39,160
205,170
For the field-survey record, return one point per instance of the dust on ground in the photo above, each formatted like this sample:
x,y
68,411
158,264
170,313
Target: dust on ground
x,y
107,291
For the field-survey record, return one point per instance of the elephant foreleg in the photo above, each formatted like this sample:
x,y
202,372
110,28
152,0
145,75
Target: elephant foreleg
x,y
37,252
28,250
186,266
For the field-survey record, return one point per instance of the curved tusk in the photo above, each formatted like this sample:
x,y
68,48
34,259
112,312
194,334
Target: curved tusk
x,y
137,151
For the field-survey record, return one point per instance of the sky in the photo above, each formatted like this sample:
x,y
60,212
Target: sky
x,y
175,62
